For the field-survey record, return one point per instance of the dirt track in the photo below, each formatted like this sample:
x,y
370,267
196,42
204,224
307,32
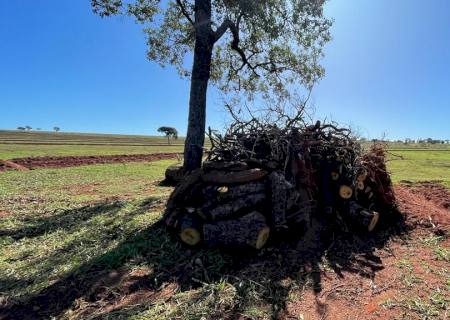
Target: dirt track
x,y
73,161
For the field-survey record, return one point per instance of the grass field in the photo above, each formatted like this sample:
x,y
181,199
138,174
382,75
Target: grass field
x,y
14,144
84,243
420,165
11,151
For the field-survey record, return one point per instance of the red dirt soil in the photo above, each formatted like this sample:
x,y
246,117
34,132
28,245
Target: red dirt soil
x,y
73,161
432,191
5,164
426,204
352,296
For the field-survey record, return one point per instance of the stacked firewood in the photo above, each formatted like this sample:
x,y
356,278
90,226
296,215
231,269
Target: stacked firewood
x,y
259,182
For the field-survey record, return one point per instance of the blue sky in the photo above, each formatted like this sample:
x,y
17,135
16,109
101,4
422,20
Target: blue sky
x,y
388,71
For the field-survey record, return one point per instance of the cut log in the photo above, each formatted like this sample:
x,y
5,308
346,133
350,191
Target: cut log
x,y
238,177
227,193
190,229
334,176
360,185
345,192
178,196
214,211
223,165
362,175
301,207
249,231
174,174
367,219
279,186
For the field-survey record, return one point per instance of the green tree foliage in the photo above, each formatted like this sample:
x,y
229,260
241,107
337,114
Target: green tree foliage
x,y
169,132
56,129
263,47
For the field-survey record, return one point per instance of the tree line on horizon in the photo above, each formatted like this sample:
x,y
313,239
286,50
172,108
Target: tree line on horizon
x,y
29,128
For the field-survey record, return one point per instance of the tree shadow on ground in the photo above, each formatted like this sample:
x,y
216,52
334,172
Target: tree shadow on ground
x,y
262,274
64,220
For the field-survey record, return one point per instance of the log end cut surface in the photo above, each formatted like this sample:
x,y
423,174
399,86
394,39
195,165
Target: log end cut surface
x,y
190,236
262,238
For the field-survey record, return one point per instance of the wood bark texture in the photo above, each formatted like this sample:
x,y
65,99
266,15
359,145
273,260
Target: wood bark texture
x,y
249,231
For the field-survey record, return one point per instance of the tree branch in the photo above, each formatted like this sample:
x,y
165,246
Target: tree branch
x,y
234,28
184,12
226,24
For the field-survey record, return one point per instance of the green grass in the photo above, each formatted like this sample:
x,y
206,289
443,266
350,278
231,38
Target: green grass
x,y
62,231
57,220
423,165
15,144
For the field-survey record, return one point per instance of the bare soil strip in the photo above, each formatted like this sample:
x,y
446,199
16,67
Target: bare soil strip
x,y
5,164
73,161
425,204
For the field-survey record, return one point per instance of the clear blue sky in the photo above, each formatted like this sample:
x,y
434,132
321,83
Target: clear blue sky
x,y
388,70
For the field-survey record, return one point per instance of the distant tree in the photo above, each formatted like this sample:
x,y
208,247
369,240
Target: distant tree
x,y
38,129
21,128
28,128
268,48
56,129
169,132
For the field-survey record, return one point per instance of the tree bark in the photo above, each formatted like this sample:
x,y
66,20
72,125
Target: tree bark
x,y
201,68
213,211
234,177
249,231
279,186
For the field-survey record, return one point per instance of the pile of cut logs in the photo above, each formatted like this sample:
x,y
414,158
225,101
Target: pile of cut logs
x,y
259,183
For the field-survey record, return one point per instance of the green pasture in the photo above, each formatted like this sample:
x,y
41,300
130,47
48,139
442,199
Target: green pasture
x,y
420,165
64,233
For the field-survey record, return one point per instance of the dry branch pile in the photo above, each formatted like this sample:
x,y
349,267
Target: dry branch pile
x,y
260,181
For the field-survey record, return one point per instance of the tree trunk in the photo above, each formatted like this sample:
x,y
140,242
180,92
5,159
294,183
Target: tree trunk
x,y
195,138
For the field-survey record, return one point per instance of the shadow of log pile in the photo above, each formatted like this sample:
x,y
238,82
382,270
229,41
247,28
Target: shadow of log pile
x,y
259,183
